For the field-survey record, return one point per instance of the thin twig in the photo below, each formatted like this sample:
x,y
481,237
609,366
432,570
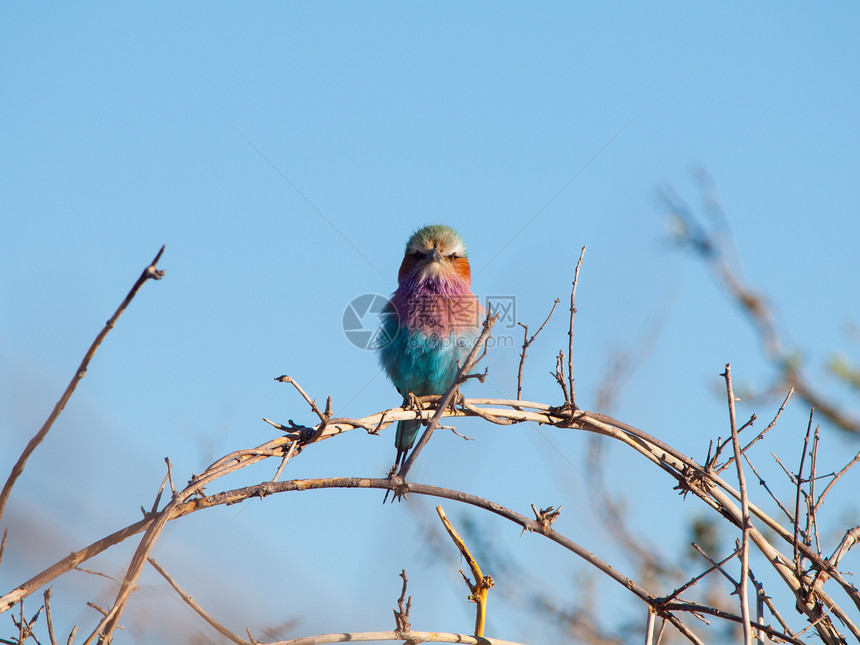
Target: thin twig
x,y
150,272
723,444
714,566
767,601
157,500
528,341
745,513
401,614
570,329
771,424
799,488
287,457
559,377
836,478
311,402
763,483
50,622
811,520
195,606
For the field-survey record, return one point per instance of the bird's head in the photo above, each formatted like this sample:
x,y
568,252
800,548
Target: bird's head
x,y
435,252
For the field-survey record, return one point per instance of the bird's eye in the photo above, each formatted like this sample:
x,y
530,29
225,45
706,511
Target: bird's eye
x,y
453,256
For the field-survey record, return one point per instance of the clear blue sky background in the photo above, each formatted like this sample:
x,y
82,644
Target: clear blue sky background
x,y
125,127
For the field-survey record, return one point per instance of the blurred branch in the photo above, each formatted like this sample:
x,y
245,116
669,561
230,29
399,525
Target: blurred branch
x,y
690,233
195,606
149,273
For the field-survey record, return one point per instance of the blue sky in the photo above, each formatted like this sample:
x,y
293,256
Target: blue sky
x,y
284,152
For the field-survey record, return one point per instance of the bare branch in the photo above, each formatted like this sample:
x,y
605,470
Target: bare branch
x,y
799,482
411,638
836,478
48,617
401,614
528,340
149,273
195,606
570,328
483,584
745,513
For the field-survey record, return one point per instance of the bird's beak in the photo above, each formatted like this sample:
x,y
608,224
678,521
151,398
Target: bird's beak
x,y
434,256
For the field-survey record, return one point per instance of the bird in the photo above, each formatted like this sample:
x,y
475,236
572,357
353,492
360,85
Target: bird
x,y
430,323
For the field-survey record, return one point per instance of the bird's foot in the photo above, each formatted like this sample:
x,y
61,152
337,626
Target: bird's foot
x,y
412,402
457,400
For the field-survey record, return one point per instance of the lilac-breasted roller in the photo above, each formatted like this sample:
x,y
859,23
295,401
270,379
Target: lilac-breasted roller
x,y
433,320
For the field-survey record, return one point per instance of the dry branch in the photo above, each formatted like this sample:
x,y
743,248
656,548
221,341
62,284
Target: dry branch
x,y
745,514
690,476
411,638
570,329
527,341
149,273
195,606
482,585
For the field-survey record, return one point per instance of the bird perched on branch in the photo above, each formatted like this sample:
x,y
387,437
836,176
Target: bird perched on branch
x,y
431,322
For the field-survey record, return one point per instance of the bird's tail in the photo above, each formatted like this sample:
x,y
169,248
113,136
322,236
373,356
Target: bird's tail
x,y
407,430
